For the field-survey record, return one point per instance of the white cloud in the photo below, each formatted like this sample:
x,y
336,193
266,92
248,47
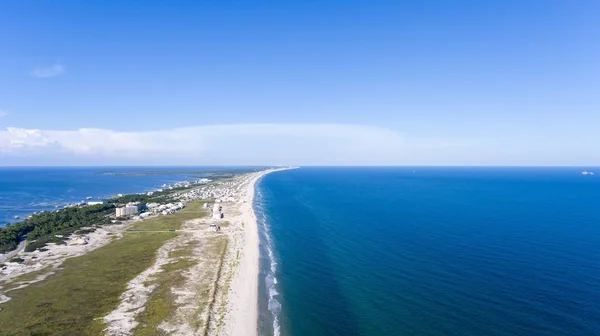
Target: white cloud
x,y
52,71
259,144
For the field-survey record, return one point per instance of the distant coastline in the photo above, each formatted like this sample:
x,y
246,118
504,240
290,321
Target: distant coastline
x,y
56,225
33,189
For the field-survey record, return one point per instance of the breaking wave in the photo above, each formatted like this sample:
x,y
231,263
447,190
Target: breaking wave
x,y
270,280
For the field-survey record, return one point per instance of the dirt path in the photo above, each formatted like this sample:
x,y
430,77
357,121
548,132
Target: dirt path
x,y
9,255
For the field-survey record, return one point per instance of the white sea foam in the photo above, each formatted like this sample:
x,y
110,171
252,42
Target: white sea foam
x,y
274,306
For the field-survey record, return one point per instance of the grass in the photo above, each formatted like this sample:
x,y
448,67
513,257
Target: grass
x,y
41,242
85,231
88,287
22,279
220,251
185,251
74,300
223,224
225,289
173,221
161,305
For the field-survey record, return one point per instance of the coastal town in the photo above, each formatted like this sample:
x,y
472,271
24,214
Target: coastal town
x,y
219,192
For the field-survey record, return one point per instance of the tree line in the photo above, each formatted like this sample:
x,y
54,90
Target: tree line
x,y
42,228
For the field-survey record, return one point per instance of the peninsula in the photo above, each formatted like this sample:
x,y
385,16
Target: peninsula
x,y
190,272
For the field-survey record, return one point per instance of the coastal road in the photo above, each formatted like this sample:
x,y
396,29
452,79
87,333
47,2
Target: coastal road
x,y
9,255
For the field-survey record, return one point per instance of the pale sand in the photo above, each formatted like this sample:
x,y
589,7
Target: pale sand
x,y
121,321
55,255
242,300
243,295
234,310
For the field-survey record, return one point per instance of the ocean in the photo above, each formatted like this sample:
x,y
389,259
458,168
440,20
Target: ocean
x,y
430,251
24,190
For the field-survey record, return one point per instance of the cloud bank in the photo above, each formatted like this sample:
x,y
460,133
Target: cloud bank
x,y
243,144
52,71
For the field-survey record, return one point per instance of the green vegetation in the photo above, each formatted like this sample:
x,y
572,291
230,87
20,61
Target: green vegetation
x,y
158,197
41,242
28,277
9,237
186,251
162,302
87,288
85,231
222,243
227,284
171,222
163,196
74,300
17,260
68,220
23,279
43,228
192,173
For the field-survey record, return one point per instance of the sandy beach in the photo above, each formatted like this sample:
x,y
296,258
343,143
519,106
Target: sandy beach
x,y
233,288
242,300
243,296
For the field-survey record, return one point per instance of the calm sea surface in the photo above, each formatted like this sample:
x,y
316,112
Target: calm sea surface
x,y
434,251
27,190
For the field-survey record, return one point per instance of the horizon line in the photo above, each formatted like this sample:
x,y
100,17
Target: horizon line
x,y
299,166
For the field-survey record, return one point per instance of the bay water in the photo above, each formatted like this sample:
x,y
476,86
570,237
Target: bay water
x,y
24,190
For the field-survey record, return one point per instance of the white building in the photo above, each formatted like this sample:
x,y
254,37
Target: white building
x,y
127,210
145,214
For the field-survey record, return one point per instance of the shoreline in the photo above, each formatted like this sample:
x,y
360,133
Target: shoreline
x,y
242,303
63,204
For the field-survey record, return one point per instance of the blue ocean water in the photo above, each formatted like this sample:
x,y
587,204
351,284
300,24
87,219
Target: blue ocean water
x,y
430,251
24,190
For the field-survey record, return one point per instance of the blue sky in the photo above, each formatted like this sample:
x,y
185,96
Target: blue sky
x,y
297,82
